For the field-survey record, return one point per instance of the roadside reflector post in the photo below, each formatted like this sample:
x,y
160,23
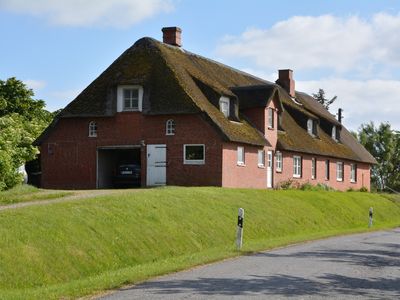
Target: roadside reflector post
x,y
371,215
239,234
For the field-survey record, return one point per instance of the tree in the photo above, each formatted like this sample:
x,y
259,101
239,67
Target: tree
x,y
320,97
384,144
22,119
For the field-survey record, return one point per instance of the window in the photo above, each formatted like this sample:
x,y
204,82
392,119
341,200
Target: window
x,y
335,135
270,118
327,169
312,127
278,161
193,154
170,127
353,172
224,106
129,98
296,166
313,168
92,129
240,156
339,171
261,158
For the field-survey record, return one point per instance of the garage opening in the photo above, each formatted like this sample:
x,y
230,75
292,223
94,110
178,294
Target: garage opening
x,y
118,167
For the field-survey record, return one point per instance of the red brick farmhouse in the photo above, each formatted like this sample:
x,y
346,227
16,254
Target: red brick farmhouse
x,y
188,120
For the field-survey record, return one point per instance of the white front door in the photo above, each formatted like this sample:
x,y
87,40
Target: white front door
x,y
269,169
156,165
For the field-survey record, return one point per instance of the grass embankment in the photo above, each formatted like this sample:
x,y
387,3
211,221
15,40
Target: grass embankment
x,y
76,248
26,193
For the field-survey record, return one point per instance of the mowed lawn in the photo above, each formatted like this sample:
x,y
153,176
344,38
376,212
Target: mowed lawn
x,y
27,193
71,249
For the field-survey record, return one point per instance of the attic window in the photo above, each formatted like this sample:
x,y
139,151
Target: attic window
x,y
92,129
129,98
224,105
270,118
335,135
312,127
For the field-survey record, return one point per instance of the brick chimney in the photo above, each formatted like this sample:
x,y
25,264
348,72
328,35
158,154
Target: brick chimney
x,y
286,81
172,36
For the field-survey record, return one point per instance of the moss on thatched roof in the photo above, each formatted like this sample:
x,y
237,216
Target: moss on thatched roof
x,y
176,81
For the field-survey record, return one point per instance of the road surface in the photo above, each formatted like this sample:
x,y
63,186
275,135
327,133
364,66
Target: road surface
x,y
362,266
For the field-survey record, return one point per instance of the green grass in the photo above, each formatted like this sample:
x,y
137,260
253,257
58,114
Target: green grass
x,y
75,248
26,193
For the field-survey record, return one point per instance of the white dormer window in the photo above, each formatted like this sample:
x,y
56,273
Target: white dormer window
x,y
312,127
129,98
270,118
170,127
92,129
224,106
334,133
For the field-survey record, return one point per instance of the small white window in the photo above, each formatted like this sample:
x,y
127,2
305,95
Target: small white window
x,y
194,154
296,166
92,129
334,133
339,171
270,118
353,172
129,98
261,158
313,168
327,169
240,156
170,127
312,127
278,161
224,106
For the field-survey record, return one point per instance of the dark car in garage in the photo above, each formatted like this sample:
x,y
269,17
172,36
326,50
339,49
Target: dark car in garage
x,y
127,175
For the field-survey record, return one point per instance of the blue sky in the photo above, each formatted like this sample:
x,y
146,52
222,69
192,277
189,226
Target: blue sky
x,y
349,48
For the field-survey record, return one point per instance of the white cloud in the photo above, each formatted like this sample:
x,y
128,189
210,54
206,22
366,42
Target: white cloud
x,y
362,101
349,44
86,13
35,84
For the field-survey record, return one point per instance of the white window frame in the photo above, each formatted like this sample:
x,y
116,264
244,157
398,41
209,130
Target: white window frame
x,y
194,161
339,171
296,166
334,133
92,129
279,161
327,169
224,106
261,158
170,127
240,156
353,173
120,97
313,168
270,118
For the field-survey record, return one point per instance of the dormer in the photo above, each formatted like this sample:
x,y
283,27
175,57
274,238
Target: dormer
x,y
312,127
129,98
224,106
335,134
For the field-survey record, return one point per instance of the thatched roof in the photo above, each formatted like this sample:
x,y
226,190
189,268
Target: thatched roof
x,y
176,81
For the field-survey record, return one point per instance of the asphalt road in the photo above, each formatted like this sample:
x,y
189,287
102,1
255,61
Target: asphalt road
x,y
364,266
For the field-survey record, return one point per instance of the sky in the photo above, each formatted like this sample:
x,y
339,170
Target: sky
x,y
349,48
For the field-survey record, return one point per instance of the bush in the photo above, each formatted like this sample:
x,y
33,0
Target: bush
x,y
363,189
285,185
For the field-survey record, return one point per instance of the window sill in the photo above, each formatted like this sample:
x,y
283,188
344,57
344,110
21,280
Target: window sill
x,y
296,176
170,134
339,180
270,128
261,166
278,170
353,181
194,163
240,164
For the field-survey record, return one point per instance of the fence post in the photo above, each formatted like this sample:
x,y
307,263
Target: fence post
x,y
371,214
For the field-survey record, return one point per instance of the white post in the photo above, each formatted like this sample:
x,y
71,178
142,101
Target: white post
x,y
371,214
239,234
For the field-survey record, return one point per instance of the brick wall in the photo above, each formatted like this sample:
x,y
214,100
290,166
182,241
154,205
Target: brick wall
x,y
73,162
363,172
247,176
